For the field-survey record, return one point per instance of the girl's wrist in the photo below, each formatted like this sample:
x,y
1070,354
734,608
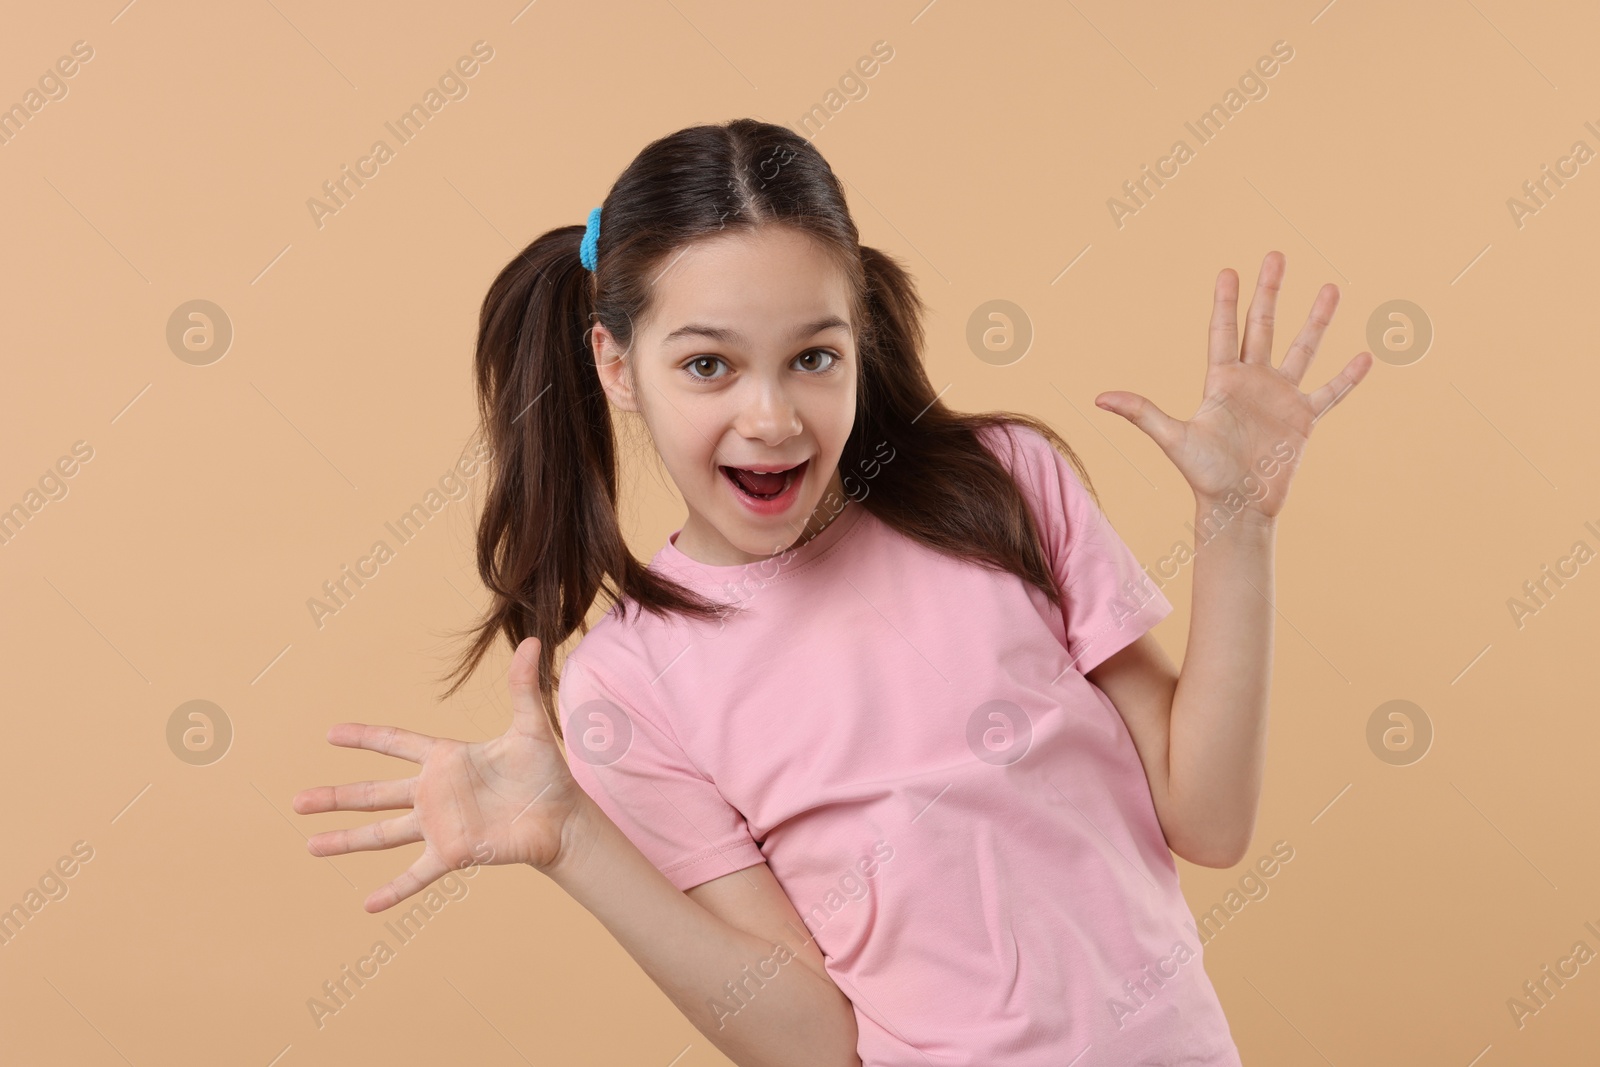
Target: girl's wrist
x,y
577,839
1218,520
1222,514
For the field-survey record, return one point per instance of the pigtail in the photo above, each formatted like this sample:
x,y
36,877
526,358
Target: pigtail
x,y
549,540
938,483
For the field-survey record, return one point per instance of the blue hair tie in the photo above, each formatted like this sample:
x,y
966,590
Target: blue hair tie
x,y
589,250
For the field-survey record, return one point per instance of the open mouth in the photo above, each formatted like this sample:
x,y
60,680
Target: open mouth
x,y
763,485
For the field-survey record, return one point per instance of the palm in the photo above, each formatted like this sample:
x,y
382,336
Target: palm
x,y
1252,416
484,795
504,800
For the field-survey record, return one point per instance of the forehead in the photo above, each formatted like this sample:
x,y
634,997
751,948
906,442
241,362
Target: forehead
x,y
758,283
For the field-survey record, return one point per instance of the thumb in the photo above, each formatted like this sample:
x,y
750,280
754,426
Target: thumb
x,y
527,711
1166,431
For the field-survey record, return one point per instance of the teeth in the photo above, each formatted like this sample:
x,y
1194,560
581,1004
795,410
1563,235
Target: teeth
x,y
788,480
770,470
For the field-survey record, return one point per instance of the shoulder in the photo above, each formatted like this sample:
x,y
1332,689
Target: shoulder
x,y
1032,460
613,645
1011,439
625,651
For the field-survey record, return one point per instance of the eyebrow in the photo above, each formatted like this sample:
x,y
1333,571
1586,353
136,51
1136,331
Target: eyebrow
x,y
726,336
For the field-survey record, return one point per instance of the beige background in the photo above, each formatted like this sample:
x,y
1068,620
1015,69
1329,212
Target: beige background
x,y
219,498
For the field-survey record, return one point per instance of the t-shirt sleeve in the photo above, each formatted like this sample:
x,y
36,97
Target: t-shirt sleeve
x,y
1107,599
636,772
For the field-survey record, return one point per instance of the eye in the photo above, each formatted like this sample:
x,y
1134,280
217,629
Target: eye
x,y
696,361
833,359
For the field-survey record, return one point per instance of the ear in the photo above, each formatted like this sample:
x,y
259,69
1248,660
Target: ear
x,y
616,376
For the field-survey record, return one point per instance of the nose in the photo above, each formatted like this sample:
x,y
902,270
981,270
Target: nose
x,y
768,415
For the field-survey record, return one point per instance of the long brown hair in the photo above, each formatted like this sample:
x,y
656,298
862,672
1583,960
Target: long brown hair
x,y
549,541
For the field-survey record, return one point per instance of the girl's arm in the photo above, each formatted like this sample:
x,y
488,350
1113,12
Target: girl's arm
x,y
763,999
735,961
1201,733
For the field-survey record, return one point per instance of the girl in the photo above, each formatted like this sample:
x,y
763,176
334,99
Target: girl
x,y
876,762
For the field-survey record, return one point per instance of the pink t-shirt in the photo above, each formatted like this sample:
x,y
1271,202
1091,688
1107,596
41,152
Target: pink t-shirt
x,y
909,742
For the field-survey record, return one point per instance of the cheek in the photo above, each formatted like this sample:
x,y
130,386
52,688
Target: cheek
x,y
834,413
683,433
682,452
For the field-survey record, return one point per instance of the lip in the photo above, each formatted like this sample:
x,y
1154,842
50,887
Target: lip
x,y
778,504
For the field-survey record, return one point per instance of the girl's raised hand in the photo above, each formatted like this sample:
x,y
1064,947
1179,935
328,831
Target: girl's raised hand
x,y
499,801
1249,409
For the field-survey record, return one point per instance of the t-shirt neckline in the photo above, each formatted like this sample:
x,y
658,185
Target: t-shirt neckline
x,y
782,564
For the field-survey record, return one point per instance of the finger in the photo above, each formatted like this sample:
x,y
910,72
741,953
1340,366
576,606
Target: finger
x,y
1263,311
390,740
357,796
409,882
1224,344
527,711
1304,347
1165,430
1324,399
387,833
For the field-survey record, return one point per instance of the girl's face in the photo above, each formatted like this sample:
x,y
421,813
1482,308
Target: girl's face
x,y
748,360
